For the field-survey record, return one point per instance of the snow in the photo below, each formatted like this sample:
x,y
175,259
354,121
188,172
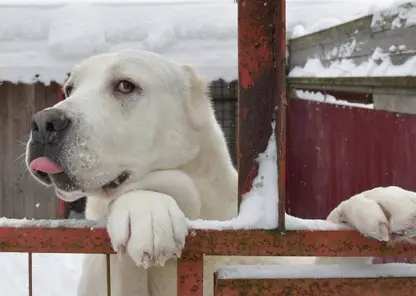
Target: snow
x,y
328,13
49,37
307,271
69,223
325,98
378,64
53,274
62,270
40,40
401,16
259,206
397,14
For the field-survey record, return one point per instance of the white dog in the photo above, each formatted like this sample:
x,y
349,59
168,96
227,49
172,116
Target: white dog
x,y
138,136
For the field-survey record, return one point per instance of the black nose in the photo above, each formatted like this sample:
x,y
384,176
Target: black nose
x,y
50,125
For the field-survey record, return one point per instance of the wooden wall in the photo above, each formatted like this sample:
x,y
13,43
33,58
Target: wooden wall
x,y
356,40
20,195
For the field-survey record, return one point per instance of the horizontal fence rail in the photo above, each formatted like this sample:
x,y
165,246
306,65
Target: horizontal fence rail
x,y
388,84
94,239
209,242
403,286
316,280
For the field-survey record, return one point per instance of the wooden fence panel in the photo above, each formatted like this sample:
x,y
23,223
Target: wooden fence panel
x,y
358,39
20,195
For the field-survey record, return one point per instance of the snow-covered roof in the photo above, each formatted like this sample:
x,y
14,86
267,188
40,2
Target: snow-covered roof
x,y
47,37
42,39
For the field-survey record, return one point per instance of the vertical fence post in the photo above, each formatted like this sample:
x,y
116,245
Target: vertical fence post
x,y
261,59
190,274
281,103
30,273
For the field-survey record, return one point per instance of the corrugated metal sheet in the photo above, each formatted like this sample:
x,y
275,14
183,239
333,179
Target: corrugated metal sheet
x,y
335,152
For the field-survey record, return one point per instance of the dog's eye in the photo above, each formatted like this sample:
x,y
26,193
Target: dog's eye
x,y
125,87
68,91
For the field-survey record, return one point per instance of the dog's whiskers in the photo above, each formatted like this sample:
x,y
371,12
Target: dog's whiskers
x,y
20,156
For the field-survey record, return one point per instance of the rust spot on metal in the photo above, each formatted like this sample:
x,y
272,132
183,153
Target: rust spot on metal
x,y
316,287
246,79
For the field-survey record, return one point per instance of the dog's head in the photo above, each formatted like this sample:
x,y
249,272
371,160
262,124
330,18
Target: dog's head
x,y
124,114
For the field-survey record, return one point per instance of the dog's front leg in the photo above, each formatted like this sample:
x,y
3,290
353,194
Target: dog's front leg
x,y
149,226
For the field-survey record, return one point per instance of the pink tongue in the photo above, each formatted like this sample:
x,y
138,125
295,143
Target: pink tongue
x,y
45,165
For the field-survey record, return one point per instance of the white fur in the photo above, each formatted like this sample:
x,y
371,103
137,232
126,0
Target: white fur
x,y
169,140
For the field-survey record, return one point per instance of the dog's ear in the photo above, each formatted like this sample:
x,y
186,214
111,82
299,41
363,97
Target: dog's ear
x,y
198,103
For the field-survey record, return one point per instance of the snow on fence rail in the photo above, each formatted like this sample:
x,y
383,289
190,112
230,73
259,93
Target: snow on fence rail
x,y
380,44
396,94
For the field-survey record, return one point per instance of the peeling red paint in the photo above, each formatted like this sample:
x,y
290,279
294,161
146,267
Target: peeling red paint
x,y
246,81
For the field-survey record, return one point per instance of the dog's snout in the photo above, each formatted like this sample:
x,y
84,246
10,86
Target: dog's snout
x,y
49,125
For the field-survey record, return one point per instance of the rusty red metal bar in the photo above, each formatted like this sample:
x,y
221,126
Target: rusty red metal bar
x,y
190,272
316,287
257,84
209,242
262,95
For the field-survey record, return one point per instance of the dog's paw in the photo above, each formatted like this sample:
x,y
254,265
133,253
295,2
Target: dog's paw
x,y
148,226
384,213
